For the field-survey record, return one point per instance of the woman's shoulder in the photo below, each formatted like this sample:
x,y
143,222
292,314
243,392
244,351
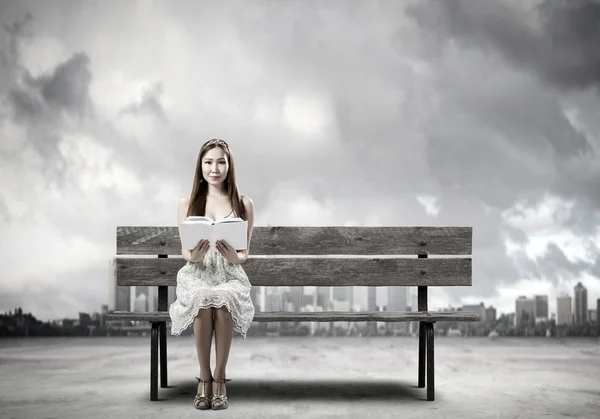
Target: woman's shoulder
x,y
248,203
185,200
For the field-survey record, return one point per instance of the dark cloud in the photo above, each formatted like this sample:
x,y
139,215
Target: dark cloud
x,y
499,145
41,103
148,104
584,219
527,268
500,133
595,268
18,29
554,264
491,264
46,96
26,107
67,88
564,52
572,35
535,121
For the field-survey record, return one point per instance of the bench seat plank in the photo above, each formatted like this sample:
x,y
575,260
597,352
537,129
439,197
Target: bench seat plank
x,y
320,316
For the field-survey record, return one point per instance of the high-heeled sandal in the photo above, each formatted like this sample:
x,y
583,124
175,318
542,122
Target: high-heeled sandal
x,y
219,401
202,401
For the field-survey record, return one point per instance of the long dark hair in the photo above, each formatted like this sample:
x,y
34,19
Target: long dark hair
x,y
197,204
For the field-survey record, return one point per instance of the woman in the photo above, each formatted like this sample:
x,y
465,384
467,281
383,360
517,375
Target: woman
x,y
213,290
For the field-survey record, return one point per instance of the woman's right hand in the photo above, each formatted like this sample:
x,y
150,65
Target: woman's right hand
x,y
198,252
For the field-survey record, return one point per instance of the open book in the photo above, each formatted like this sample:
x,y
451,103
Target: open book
x,y
233,230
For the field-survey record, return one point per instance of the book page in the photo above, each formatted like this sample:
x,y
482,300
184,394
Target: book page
x,y
229,220
199,218
191,232
233,232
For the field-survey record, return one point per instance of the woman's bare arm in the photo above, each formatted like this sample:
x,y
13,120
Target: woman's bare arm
x,y
182,210
249,205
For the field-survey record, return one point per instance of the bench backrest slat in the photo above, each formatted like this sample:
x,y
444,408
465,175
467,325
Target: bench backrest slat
x,y
313,240
313,271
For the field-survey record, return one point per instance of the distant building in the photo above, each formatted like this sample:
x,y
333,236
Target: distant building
x,y
396,298
397,302
296,297
152,298
273,302
119,298
103,314
344,293
414,306
323,297
580,303
141,302
524,308
592,315
84,318
564,312
372,306
112,283
262,298
490,316
255,296
372,299
476,308
541,307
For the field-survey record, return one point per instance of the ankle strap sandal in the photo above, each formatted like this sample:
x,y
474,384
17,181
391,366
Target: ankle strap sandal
x,y
219,401
202,400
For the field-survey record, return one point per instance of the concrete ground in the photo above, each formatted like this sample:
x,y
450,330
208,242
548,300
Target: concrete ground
x,y
304,378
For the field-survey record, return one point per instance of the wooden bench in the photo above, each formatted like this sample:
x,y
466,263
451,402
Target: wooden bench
x,y
365,270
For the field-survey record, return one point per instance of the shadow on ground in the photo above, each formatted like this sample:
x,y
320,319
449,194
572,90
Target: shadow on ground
x,y
322,390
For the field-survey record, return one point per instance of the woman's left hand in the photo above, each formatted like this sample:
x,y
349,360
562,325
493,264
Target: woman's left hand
x,y
227,251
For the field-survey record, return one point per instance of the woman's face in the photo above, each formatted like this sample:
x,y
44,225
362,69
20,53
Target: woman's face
x,y
215,163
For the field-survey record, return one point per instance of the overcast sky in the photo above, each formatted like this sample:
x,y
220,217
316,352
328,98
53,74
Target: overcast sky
x,y
469,113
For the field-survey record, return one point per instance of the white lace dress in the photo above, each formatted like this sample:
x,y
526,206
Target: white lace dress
x,y
213,282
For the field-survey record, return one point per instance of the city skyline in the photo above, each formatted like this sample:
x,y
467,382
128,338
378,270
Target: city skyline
x,y
531,313
538,305
360,298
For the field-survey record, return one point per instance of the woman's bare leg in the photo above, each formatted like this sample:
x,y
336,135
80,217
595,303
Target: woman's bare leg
x,y
203,331
223,337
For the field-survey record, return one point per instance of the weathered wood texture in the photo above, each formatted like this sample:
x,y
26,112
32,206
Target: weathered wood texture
x,y
321,316
332,240
308,272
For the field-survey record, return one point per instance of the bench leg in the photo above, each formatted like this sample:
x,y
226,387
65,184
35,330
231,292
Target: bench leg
x,y
163,354
430,376
154,362
422,342
422,306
